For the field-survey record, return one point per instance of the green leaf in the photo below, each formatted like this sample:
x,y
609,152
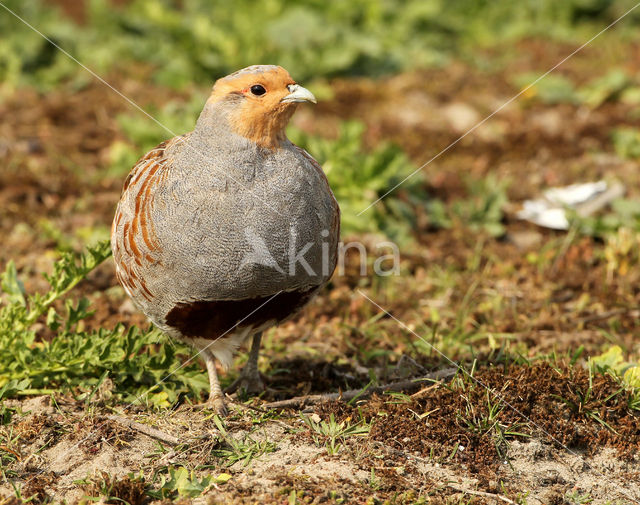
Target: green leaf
x,y
222,478
604,88
78,312
626,142
159,400
552,89
611,359
184,483
632,376
53,319
11,285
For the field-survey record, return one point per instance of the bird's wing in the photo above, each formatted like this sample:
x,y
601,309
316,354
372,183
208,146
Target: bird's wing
x,y
335,224
133,236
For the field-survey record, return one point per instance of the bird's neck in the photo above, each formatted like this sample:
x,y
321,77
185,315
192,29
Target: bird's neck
x,y
224,125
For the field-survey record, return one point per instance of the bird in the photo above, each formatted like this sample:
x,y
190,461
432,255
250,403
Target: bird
x,y
230,229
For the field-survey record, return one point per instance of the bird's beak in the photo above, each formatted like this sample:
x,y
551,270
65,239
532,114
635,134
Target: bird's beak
x,y
298,94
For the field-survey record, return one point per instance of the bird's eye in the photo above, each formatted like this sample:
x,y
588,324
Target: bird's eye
x,y
258,90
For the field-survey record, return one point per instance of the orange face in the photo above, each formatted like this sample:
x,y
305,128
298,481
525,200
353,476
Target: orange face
x,y
264,98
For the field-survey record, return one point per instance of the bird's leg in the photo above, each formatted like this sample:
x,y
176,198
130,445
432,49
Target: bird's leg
x,y
216,398
249,379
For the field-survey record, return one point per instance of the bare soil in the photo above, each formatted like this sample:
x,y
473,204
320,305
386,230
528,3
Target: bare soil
x,y
433,444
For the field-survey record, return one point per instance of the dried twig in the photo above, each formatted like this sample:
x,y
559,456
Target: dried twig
x,y
147,430
244,406
400,386
484,494
603,315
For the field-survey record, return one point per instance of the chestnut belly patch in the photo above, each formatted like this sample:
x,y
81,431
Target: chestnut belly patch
x,y
213,318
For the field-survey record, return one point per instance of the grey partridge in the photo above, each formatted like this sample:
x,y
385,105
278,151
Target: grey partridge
x,y
230,229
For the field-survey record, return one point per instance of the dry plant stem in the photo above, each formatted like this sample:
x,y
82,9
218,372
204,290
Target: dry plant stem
x,y
484,494
147,430
603,315
400,386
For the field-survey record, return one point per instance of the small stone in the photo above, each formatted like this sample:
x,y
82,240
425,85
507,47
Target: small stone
x,y
549,122
525,240
127,307
461,116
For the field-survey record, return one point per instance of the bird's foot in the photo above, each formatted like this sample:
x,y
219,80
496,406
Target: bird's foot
x,y
249,381
216,403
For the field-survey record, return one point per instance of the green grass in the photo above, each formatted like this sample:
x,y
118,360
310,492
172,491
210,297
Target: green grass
x,y
311,39
333,434
485,419
242,450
